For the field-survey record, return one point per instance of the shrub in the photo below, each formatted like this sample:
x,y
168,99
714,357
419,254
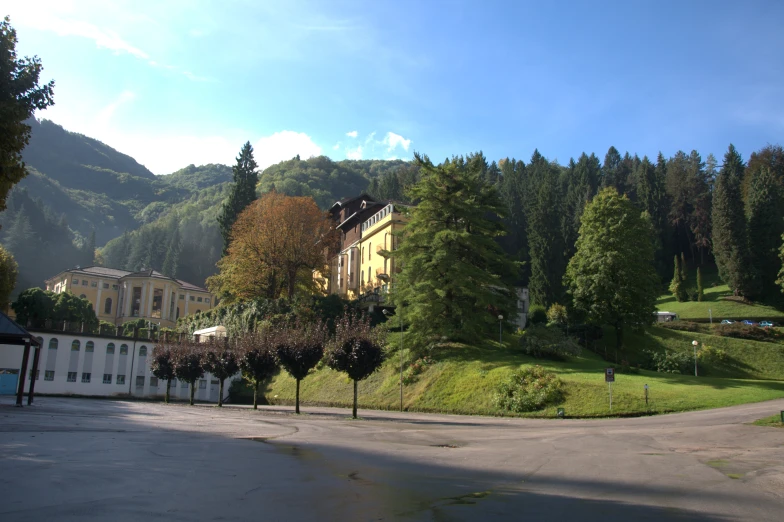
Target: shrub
x,y
556,314
668,362
545,342
415,368
537,315
529,389
745,331
682,326
710,355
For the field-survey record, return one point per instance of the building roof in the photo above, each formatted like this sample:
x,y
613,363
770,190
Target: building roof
x,y
115,273
12,333
343,202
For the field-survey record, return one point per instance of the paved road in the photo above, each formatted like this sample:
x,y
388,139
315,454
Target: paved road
x,y
81,459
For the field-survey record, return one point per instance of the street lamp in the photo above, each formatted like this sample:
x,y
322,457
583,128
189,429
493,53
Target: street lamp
x,y
500,323
695,344
389,314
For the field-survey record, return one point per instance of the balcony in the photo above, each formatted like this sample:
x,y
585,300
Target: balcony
x,y
381,274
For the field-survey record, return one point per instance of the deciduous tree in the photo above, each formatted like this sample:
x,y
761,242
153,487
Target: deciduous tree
x,y
299,348
8,272
611,277
162,364
258,361
20,97
220,358
187,360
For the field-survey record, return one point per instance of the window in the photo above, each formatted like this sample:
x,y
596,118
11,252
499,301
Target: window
x,y
110,349
49,375
37,374
107,378
174,383
153,382
71,377
120,379
182,297
183,384
136,301
84,282
193,298
75,345
202,384
53,343
207,300
198,299
86,377
82,296
75,281
106,286
214,383
140,380
94,284
107,306
370,245
89,347
143,351
123,349
115,287
157,303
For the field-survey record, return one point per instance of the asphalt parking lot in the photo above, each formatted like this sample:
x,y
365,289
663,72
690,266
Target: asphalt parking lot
x,y
84,459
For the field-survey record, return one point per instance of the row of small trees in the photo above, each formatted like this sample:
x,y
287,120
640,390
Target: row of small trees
x,y
355,348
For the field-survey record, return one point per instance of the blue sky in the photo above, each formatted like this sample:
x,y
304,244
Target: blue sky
x,y
178,82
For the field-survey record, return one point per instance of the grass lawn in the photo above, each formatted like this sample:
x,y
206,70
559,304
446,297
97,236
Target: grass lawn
x,y
719,308
465,378
774,421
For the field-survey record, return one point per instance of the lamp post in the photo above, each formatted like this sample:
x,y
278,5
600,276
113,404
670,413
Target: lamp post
x,y
389,314
695,344
500,331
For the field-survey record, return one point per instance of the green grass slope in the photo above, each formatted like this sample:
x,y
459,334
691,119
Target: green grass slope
x,y
465,378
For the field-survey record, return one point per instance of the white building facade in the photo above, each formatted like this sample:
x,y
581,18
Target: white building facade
x,y
101,366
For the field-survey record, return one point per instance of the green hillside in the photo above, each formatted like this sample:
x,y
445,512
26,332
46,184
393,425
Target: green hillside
x,y
464,380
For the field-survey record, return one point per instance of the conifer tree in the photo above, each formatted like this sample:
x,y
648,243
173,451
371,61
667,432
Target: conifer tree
x,y
700,290
730,239
453,269
652,199
685,275
780,280
766,225
242,194
545,242
172,258
676,285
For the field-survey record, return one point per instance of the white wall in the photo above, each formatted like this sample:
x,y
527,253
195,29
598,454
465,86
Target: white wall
x,y
98,362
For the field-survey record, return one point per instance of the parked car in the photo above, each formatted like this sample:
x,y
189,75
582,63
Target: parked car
x,y
766,324
749,323
727,321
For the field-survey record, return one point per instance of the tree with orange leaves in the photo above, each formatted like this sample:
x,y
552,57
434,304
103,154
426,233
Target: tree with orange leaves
x,y
277,242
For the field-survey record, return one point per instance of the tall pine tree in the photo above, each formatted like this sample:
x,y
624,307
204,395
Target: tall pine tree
x,y
243,192
766,225
730,239
455,276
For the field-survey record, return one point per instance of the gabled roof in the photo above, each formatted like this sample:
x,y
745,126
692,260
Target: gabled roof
x,y
97,271
12,333
190,286
345,201
115,273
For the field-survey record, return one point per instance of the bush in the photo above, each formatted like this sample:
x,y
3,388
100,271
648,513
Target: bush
x,y
529,389
537,315
545,342
669,362
710,355
745,331
415,368
681,326
556,314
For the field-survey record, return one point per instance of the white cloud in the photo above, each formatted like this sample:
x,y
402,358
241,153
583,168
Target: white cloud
x,y
354,154
337,146
352,134
393,140
105,115
284,145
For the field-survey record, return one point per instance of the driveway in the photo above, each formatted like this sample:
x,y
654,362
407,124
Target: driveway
x,y
85,459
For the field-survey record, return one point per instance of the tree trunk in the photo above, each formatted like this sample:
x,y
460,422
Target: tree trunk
x,y
619,337
168,387
220,396
193,390
256,395
354,411
292,283
296,409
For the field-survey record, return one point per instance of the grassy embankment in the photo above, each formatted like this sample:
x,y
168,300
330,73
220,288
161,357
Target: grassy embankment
x,y
464,379
720,308
774,421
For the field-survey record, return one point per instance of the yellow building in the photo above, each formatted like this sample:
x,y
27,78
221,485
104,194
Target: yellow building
x,y
360,266
119,296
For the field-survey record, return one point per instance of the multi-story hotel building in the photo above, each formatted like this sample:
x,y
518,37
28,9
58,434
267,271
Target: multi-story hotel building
x,y
119,296
360,264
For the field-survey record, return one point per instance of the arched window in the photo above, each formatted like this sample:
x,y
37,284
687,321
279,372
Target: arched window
x,y
53,343
123,349
89,347
107,307
142,351
75,345
110,348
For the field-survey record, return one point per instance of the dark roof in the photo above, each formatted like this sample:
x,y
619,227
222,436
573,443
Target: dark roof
x,y
343,202
148,273
115,273
12,333
99,271
189,286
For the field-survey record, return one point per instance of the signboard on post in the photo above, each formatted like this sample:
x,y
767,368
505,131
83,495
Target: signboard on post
x,y
609,375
